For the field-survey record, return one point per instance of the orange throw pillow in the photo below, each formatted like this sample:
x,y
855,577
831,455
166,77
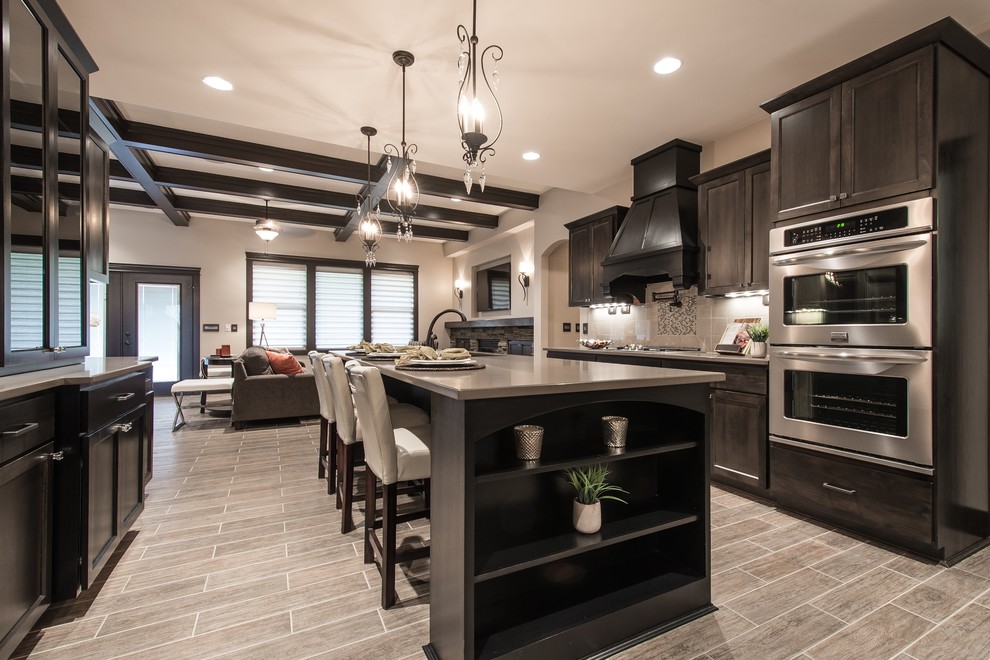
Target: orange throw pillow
x,y
284,363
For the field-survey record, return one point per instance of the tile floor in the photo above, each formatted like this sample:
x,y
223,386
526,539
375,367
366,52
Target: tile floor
x,y
238,554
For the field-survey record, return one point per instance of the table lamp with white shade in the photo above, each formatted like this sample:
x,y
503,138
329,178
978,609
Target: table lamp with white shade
x,y
261,311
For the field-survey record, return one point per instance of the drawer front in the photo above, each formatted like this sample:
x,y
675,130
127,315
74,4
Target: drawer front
x,y
25,424
886,504
112,399
737,378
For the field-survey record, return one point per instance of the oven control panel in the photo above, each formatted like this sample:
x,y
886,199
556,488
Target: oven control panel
x,y
855,225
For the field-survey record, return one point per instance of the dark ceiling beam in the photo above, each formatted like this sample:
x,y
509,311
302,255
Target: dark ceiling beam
x,y
199,145
373,197
220,183
104,119
139,198
30,158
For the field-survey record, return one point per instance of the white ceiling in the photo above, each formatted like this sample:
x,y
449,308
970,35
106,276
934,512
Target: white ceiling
x,y
577,83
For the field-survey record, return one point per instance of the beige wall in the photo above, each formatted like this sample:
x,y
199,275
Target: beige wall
x,y
742,143
218,247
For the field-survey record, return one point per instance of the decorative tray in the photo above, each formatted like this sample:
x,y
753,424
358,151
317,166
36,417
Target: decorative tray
x,y
441,363
453,367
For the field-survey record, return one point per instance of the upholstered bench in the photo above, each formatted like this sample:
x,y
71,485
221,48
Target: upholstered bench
x,y
196,386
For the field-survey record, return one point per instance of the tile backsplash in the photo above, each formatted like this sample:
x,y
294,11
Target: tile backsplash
x,y
698,322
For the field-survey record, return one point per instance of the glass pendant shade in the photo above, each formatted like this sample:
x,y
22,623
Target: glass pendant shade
x,y
473,99
267,229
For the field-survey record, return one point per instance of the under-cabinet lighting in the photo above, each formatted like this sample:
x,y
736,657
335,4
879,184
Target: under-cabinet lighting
x,y
747,294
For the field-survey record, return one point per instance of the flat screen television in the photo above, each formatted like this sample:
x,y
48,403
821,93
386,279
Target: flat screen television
x,y
492,287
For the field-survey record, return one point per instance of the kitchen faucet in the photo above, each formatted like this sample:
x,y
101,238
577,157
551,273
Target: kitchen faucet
x,y
431,338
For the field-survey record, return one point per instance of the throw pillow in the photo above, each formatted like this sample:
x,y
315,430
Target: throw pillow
x,y
255,361
284,364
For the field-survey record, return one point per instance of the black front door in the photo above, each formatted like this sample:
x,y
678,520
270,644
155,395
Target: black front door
x,y
154,310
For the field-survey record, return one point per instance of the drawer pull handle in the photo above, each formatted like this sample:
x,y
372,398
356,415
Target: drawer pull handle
x,y
120,398
57,456
22,430
124,428
844,491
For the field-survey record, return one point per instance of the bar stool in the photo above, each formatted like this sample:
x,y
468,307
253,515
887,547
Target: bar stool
x,y
392,454
349,433
327,458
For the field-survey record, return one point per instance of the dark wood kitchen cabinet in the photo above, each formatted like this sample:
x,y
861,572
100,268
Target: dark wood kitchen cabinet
x,y
590,240
100,486
27,431
868,138
734,225
44,180
740,450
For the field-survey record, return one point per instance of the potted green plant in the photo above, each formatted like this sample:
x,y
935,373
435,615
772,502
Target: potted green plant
x,y
590,489
759,334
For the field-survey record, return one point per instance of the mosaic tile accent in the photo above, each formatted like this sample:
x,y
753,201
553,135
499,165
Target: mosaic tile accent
x,y
681,320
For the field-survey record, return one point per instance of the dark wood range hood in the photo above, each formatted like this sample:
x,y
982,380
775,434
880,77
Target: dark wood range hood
x,y
658,241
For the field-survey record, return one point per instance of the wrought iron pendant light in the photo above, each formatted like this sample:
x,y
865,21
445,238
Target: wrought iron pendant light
x,y
403,191
369,225
472,117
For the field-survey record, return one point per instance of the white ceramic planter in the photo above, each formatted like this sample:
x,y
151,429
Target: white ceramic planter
x,y
759,349
587,517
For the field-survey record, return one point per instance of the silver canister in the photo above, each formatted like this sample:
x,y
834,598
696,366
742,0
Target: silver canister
x,y
614,430
529,441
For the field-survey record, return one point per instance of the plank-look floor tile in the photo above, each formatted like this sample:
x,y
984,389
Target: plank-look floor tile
x,y
238,552
880,634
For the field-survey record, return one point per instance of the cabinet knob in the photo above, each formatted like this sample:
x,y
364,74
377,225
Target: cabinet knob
x,y
843,195
57,456
125,428
831,198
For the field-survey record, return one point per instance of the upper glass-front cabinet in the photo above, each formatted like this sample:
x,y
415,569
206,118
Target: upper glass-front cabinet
x,y
44,144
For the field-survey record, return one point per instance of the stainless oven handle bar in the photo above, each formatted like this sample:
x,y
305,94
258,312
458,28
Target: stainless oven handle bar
x,y
848,454
860,250
852,357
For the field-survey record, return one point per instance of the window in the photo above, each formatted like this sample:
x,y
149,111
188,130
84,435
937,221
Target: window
x,y
284,285
325,303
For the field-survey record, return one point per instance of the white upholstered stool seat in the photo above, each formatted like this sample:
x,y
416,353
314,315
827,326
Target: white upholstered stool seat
x,y
349,433
196,386
393,455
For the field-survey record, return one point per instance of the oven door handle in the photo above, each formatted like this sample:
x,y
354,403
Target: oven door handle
x,y
856,357
860,250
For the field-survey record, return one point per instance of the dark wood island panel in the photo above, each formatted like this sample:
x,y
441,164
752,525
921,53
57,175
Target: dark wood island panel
x,y
509,576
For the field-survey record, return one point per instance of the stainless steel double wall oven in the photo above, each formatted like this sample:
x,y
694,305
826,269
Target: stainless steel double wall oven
x,y
851,309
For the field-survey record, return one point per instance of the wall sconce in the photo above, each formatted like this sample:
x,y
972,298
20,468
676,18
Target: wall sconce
x,y
525,268
459,286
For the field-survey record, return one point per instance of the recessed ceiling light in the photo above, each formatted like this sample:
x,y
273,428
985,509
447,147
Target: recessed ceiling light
x,y
531,155
216,82
266,169
667,65
455,199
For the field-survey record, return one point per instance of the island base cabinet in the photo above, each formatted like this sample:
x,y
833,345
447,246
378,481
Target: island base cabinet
x,y
25,536
739,439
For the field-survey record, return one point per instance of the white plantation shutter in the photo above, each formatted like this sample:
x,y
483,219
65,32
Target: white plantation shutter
x,y
339,307
500,293
69,301
284,285
27,320
393,304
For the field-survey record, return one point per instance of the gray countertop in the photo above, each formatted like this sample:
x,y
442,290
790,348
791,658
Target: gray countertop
x,y
518,375
700,356
93,370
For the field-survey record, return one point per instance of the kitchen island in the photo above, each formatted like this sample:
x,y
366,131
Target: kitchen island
x,y
508,573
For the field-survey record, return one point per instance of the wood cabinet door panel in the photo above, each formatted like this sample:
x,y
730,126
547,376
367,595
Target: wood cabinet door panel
x,y
805,139
100,528
602,233
130,471
887,130
579,254
739,438
723,233
759,210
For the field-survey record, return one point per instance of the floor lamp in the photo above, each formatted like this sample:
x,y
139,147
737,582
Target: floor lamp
x,y
261,311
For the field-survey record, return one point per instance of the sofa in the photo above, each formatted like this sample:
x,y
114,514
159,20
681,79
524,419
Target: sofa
x,y
260,394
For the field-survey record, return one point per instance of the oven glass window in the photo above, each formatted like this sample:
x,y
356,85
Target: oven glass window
x,y
878,404
871,296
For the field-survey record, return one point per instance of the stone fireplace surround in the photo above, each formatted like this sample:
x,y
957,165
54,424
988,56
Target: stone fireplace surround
x,y
493,335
